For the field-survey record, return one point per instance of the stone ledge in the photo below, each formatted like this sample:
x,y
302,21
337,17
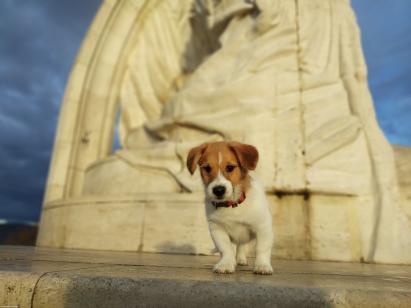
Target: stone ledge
x,y
183,198
76,278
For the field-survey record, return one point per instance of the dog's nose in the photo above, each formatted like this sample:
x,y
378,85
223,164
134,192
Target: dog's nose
x,y
219,191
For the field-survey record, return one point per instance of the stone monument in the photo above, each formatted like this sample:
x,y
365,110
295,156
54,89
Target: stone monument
x,y
287,76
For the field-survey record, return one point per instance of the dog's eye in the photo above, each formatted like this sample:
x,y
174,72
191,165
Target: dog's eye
x,y
207,169
229,168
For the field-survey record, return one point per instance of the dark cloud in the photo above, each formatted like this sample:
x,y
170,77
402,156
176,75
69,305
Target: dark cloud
x,y
39,40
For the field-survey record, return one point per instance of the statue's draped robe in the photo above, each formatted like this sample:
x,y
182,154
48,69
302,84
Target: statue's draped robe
x,y
286,76
290,80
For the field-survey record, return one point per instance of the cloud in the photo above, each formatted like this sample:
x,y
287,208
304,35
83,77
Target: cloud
x,y
41,42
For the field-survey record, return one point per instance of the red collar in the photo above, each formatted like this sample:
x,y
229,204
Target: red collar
x,y
229,203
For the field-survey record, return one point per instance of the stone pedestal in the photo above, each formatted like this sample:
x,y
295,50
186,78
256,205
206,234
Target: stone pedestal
x,y
286,76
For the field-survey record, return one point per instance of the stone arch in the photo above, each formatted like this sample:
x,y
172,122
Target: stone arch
x,y
87,116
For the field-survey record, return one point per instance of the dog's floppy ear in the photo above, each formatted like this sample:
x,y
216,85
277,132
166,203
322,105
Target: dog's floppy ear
x,y
194,156
247,155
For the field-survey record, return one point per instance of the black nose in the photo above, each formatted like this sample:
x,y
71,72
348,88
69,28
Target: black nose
x,y
219,191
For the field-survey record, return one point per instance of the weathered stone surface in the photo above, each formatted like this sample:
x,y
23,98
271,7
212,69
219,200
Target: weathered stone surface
x,y
185,224
176,224
163,223
134,286
16,288
81,278
19,275
93,224
403,163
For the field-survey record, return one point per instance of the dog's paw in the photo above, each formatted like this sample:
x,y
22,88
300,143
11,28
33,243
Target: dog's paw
x,y
242,260
224,267
263,269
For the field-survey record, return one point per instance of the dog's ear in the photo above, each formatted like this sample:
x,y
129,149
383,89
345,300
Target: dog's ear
x,y
194,156
247,155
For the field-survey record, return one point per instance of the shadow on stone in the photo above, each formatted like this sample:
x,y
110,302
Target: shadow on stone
x,y
171,247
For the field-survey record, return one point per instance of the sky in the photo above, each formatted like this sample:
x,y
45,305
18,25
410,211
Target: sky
x,y
39,40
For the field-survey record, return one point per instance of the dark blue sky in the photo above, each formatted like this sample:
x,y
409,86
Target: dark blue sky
x,y
39,40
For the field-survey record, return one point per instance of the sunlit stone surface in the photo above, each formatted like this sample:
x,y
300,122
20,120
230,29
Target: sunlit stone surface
x,y
287,76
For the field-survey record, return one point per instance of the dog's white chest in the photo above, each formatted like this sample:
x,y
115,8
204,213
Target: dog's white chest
x,y
239,233
240,223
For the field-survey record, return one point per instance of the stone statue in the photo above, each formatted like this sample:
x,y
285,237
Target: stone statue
x,y
287,76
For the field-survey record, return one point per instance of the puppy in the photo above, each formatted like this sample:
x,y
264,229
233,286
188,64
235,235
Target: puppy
x,y
236,206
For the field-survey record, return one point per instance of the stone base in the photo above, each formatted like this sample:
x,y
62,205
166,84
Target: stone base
x,y
321,227
171,223
38,277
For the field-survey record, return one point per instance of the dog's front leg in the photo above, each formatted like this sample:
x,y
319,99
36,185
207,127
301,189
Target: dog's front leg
x,y
264,236
226,265
242,254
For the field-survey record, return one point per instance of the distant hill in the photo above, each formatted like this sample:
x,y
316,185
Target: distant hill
x,y
15,233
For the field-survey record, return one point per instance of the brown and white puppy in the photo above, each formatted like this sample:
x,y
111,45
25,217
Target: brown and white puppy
x,y
236,206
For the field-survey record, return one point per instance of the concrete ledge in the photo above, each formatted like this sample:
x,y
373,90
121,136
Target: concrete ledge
x,y
70,278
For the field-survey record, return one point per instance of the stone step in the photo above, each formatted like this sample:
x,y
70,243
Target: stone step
x,y
41,277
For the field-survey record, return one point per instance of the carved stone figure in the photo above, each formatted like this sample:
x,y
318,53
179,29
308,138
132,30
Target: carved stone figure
x,y
287,76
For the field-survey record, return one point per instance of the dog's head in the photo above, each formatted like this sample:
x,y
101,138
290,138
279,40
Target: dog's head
x,y
224,168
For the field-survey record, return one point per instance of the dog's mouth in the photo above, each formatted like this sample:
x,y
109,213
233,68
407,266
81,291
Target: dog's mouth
x,y
223,198
230,196
219,198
